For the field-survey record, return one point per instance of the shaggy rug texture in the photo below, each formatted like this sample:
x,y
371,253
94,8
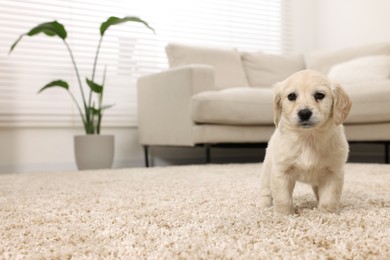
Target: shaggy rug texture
x,y
205,211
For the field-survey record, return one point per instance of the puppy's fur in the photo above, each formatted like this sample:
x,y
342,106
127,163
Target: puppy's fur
x,y
308,144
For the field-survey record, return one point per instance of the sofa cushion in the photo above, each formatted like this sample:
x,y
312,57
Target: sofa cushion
x,y
264,70
253,106
370,102
234,106
323,61
363,69
226,62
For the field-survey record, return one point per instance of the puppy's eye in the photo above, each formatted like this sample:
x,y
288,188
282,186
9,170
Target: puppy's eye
x,y
292,96
319,96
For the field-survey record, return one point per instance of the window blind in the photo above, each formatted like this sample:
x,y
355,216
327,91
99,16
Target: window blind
x,y
128,51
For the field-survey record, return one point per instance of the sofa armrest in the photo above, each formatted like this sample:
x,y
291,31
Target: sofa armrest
x,y
163,104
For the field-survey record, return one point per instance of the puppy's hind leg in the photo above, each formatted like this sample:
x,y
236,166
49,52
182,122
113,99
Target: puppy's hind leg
x,y
265,189
315,190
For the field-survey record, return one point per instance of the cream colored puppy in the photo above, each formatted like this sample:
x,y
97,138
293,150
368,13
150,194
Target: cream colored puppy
x,y
308,144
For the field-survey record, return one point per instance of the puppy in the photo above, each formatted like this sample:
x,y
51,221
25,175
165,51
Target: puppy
x,y
308,144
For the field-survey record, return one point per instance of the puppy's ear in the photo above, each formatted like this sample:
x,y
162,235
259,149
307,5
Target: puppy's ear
x,y
277,103
341,104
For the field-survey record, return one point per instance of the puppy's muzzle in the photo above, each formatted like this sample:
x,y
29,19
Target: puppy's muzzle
x,y
305,115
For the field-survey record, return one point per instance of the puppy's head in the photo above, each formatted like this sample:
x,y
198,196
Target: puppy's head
x,y
307,99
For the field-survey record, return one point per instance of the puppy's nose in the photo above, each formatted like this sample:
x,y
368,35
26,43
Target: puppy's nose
x,y
304,114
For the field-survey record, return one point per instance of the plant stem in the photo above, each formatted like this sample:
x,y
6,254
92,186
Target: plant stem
x,y
96,57
101,102
78,108
94,68
87,117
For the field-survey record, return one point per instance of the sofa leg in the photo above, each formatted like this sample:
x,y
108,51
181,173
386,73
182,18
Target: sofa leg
x,y
386,152
207,153
146,155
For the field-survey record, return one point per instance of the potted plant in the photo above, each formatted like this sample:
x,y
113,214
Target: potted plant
x,y
92,150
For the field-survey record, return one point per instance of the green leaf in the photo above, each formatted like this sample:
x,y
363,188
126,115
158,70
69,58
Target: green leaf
x,y
55,83
95,87
115,20
50,29
107,107
94,111
97,112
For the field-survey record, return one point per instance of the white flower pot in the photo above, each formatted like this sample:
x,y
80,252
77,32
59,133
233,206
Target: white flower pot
x,y
94,151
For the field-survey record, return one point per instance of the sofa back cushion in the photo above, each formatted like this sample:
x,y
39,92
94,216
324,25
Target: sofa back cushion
x,y
323,61
264,70
361,70
226,62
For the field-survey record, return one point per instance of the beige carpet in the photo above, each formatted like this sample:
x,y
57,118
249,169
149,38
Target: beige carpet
x,y
187,212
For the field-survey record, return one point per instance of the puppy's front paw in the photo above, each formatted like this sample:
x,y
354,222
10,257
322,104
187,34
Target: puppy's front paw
x,y
329,208
264,202
285,210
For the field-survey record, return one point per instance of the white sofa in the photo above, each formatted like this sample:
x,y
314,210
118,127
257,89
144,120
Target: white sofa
x,y
214,96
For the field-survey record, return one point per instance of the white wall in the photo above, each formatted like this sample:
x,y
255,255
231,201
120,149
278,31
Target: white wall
x,y
334,24
352,22
51,149
303,25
